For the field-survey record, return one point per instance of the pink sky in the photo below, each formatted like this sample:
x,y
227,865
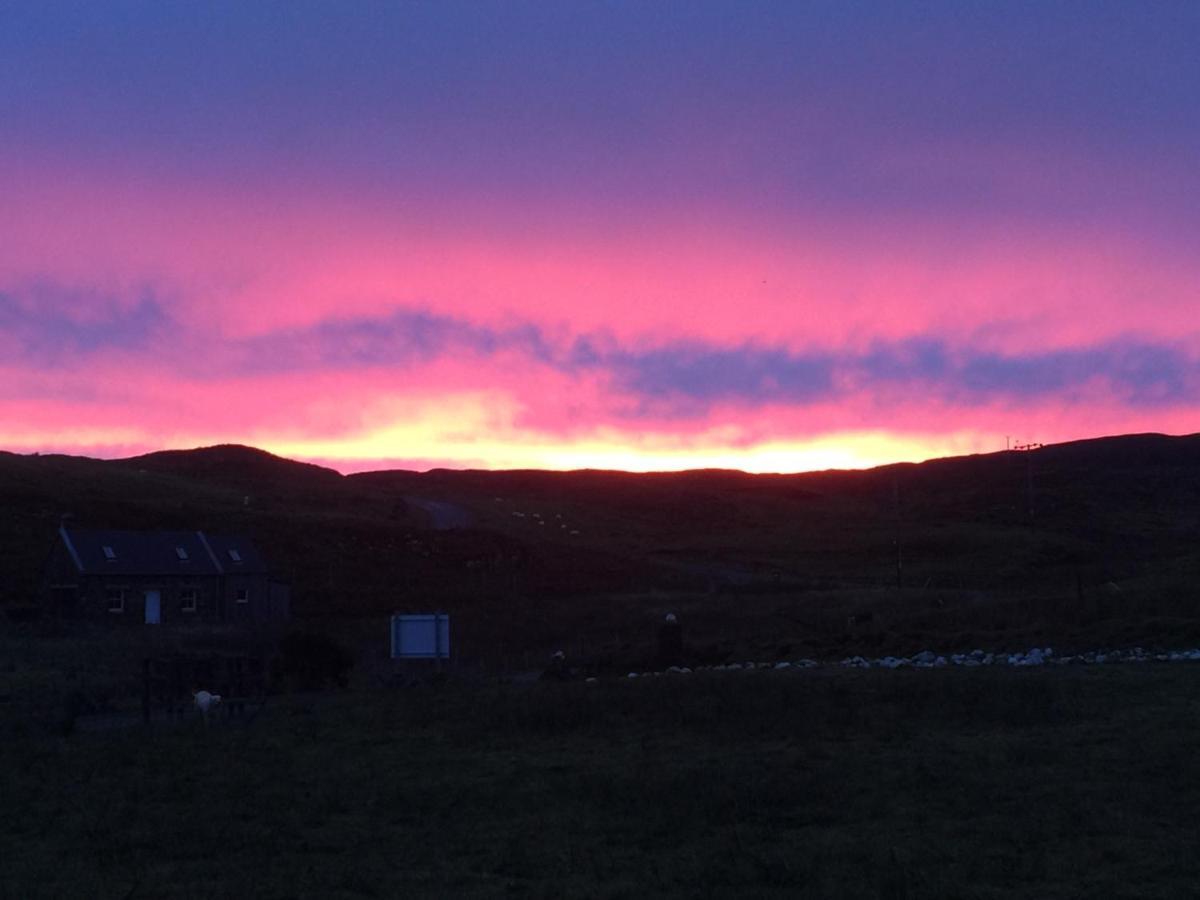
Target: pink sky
x,y
635,254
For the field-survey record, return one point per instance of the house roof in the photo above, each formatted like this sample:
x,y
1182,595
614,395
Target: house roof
x,y
235,554
180,553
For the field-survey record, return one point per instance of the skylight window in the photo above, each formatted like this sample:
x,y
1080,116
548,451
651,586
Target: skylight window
x,y
181,553
109,553
234,555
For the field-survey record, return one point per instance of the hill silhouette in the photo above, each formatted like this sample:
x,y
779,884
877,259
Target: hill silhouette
x,y
236,465
1087,540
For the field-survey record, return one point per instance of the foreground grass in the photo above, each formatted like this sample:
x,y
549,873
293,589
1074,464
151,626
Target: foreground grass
x,y
982,783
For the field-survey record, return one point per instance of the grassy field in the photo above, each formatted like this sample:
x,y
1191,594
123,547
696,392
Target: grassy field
x,y
981,783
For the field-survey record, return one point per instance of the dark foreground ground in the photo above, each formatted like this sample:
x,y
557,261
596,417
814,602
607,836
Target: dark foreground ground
x,y
979,783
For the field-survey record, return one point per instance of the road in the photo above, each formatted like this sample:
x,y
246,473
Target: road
x,y
442,515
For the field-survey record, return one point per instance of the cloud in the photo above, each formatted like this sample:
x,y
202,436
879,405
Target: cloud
x,y
399,339
49,325
1137,373
59,337
688,378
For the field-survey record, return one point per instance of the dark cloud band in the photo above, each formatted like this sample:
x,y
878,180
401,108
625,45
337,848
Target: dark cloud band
x,y
673,379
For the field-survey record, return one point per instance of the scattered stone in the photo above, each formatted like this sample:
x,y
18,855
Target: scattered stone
x,y
927,659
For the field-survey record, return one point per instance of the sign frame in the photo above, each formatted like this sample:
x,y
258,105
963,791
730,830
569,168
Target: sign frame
x,y
420,636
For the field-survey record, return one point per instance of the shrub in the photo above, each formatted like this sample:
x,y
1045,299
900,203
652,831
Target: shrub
x,y
311,661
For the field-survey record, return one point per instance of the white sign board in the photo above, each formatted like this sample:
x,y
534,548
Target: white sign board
x,y
421,637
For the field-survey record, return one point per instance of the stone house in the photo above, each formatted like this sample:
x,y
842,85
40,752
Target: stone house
x,y
161,577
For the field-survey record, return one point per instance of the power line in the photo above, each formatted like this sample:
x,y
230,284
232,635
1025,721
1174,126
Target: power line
x,y
1028,449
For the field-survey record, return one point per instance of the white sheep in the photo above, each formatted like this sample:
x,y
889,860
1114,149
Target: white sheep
x,y
205,702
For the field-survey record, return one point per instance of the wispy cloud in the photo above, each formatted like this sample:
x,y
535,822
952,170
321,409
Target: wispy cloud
x,y
49,325
398,339
694,375
671,378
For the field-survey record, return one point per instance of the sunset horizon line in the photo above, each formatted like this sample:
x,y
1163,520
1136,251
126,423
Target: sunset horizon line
x,y
351,466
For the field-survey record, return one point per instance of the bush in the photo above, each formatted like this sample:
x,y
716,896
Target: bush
x,y
312,661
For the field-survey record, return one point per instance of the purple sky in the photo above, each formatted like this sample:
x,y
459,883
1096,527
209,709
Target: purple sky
x,y
770,236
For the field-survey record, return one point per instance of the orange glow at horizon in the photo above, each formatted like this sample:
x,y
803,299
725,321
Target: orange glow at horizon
x,y
835,451
429,445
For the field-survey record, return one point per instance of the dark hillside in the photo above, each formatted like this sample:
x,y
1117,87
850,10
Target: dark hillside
x,y
234,465
1093,541
260,477
1111,506
1089,541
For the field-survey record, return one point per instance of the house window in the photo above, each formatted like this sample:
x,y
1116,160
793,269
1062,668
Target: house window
x,y
109,553
187,600
116,600
242,595
181,553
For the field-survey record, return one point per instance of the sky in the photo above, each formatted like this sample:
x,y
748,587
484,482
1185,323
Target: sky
x,y
651,235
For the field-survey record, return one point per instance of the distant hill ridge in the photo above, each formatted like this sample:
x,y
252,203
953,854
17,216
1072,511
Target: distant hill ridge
x,y
239,459
231,463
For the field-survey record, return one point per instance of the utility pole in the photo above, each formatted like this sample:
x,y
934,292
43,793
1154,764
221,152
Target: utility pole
x,y
899,557
1028,449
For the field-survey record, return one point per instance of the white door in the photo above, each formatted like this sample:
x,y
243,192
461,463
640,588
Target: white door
x,y
153,604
